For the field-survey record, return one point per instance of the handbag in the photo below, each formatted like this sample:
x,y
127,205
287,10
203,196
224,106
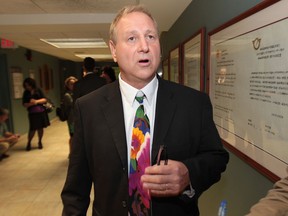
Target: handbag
x,y
49,106
60,112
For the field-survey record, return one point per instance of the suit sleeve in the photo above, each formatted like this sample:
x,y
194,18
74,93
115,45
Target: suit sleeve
x,y
76,192
206,166
274,203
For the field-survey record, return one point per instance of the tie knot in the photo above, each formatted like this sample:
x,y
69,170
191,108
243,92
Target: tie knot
x,y
139,97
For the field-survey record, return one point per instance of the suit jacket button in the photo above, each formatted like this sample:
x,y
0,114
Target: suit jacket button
x,y
124,204
124,169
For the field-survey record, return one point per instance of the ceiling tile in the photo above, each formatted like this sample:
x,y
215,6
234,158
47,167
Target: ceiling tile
x,y
26,21
80,6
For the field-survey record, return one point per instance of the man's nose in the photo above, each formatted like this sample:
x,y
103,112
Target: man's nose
x,y
143,45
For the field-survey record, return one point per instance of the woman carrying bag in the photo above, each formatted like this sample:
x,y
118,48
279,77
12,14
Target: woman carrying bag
x,y
33,99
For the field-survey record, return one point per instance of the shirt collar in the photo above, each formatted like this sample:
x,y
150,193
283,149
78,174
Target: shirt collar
x,y
129,92
89,72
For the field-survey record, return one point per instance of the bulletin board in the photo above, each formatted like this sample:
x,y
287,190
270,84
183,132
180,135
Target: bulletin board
x,y
193,60
248,86
17,82
165,69
174,65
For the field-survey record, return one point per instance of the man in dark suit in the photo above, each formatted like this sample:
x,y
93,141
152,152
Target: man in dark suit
x,y
180,118
90,81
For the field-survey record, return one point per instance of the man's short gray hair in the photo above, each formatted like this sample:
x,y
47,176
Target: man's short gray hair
x,y
127,10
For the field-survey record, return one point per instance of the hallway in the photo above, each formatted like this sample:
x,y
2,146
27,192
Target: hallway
x,y
31,182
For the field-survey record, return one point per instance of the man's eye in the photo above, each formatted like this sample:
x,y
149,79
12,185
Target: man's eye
x,y
151,36
131,39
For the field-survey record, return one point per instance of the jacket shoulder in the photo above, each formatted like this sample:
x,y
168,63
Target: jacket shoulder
x,y
180,90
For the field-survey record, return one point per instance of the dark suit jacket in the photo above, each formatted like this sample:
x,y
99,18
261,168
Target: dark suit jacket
x,y
87,84
183,123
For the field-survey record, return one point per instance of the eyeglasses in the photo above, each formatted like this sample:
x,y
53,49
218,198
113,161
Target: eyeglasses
x,y
162,153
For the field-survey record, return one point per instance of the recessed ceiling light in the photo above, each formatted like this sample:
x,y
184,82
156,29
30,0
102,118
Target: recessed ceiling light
x,y
94,56
76,42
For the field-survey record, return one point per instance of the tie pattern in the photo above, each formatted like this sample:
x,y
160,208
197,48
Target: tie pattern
x,y
139,160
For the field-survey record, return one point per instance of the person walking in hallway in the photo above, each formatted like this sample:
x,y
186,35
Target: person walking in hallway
x,y
68,105
148,146
90,81
33,99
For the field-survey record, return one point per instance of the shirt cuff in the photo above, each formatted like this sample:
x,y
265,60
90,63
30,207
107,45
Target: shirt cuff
x,y
190,193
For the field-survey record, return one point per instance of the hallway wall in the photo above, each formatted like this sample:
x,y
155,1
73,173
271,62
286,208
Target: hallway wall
x,y
16,58
61,69
4,86
241,185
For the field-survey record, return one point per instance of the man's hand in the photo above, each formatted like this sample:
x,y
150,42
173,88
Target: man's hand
x,y
12,139
166,180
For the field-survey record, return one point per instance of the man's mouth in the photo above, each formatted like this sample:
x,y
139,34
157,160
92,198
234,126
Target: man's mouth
x,y
144,61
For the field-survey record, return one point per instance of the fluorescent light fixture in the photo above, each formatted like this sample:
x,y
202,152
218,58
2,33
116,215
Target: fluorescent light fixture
x,y
76,42
94,56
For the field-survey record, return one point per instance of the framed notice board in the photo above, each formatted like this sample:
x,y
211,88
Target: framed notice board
x,y
174,65
248,86
193,61
165,69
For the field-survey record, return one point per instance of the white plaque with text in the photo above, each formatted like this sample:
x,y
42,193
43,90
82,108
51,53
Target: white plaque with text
x,y
249,86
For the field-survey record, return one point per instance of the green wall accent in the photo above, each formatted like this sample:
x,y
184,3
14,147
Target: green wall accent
x,y
241,186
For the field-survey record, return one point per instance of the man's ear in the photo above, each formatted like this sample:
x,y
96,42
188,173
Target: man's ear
x,y
113,50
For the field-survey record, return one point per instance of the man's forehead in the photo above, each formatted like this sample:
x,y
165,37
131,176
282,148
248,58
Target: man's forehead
x,y
128,24
127,17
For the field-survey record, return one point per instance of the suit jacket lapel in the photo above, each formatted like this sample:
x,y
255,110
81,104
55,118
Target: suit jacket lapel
x,y
113,111
165,108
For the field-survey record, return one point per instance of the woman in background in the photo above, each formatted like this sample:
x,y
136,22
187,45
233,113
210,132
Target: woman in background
x,y
33,99
68,104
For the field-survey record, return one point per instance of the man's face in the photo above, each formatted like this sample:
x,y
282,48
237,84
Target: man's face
x,y
137,49
27,87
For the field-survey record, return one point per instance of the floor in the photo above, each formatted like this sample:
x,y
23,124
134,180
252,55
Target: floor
x,y
31,182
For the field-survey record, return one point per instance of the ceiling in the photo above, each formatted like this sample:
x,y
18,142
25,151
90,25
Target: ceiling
x,y
26,21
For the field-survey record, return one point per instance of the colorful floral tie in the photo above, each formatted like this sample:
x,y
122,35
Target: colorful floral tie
x,y
140,158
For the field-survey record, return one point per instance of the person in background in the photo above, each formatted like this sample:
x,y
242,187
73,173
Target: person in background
x,y
275,203
33,99
7,138
90,81
68,104
170,117
108,73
